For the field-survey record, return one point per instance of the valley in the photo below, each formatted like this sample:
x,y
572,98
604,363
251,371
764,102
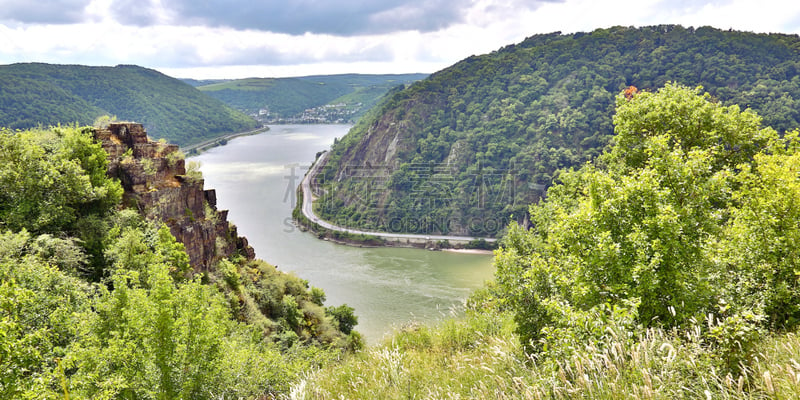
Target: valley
x,y
255,177
604,214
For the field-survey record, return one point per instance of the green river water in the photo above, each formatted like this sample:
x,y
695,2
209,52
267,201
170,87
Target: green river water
x,y
256,177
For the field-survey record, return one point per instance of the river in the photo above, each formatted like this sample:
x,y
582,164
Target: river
x,y
256,177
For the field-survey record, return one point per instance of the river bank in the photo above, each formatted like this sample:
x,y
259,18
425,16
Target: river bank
x,y
196,149
306,218
470,251
256,178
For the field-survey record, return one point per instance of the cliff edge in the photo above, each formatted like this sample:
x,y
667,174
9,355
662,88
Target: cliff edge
x,y
154,177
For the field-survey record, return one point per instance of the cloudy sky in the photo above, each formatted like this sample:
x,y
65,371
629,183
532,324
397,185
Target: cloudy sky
x,y
272,38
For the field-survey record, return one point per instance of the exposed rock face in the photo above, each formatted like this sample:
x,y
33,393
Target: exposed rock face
x,y
155,181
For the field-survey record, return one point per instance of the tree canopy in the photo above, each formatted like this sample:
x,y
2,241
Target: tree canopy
x,y
34,95
98,302
468,148
287,98
677,221
51,178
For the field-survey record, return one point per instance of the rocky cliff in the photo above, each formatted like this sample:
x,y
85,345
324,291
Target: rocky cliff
x,y
154,177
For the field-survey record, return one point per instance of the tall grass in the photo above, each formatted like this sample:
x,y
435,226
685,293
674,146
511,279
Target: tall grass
x,y
479,357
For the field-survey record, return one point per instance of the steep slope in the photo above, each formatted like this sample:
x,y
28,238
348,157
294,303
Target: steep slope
x,y
288,97
154,177
95,284
34,94
468,148
22,101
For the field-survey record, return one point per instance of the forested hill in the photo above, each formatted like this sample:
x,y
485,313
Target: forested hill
x,y
45,94
465,149
289,97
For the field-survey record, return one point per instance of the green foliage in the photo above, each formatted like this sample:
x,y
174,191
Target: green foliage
x,y
230,273
66,254
103,121
39,317
169,336
677,223
467,149
478,357
148,334
285,308
147,166
148,326
174,157
760,244
41,94
480,244
317,296
419,362
289,97
344,317
735,339
49,180
686,120
193,172
135,248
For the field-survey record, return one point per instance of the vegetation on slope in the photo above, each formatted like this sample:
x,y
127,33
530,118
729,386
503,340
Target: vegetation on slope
x,y
678,221
666,269
288,97
143,325
468,148
478,357
43,95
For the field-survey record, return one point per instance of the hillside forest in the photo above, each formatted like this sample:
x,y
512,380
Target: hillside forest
x,y
40,95
653,253
97,302
321,99
466,150
665,269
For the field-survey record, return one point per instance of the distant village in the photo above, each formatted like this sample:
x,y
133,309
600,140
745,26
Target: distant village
x,y
341,113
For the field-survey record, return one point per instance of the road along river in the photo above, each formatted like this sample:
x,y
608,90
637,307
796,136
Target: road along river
x,y
256,177
307,209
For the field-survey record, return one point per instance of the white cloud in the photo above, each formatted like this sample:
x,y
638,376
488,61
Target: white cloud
x,y
765,16
212,52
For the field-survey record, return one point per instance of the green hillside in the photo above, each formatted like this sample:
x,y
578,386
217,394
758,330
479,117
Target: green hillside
x,y
43,94
471,146
666,269
288,97
99,302
202,82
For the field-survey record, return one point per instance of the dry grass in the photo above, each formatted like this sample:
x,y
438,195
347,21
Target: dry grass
x,y
480,358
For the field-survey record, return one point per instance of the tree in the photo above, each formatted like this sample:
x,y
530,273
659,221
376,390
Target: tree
x,y
152,340
637,229
50,179
40,310
344,317
760,247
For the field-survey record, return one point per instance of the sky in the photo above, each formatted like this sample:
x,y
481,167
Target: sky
x,y
213,39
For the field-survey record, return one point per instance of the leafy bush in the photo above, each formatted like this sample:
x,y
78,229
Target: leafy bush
x,y
344,317
663,225
51,179
40,310
193,172
147,326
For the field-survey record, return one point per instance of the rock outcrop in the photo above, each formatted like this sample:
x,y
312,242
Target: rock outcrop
x,y
154,177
